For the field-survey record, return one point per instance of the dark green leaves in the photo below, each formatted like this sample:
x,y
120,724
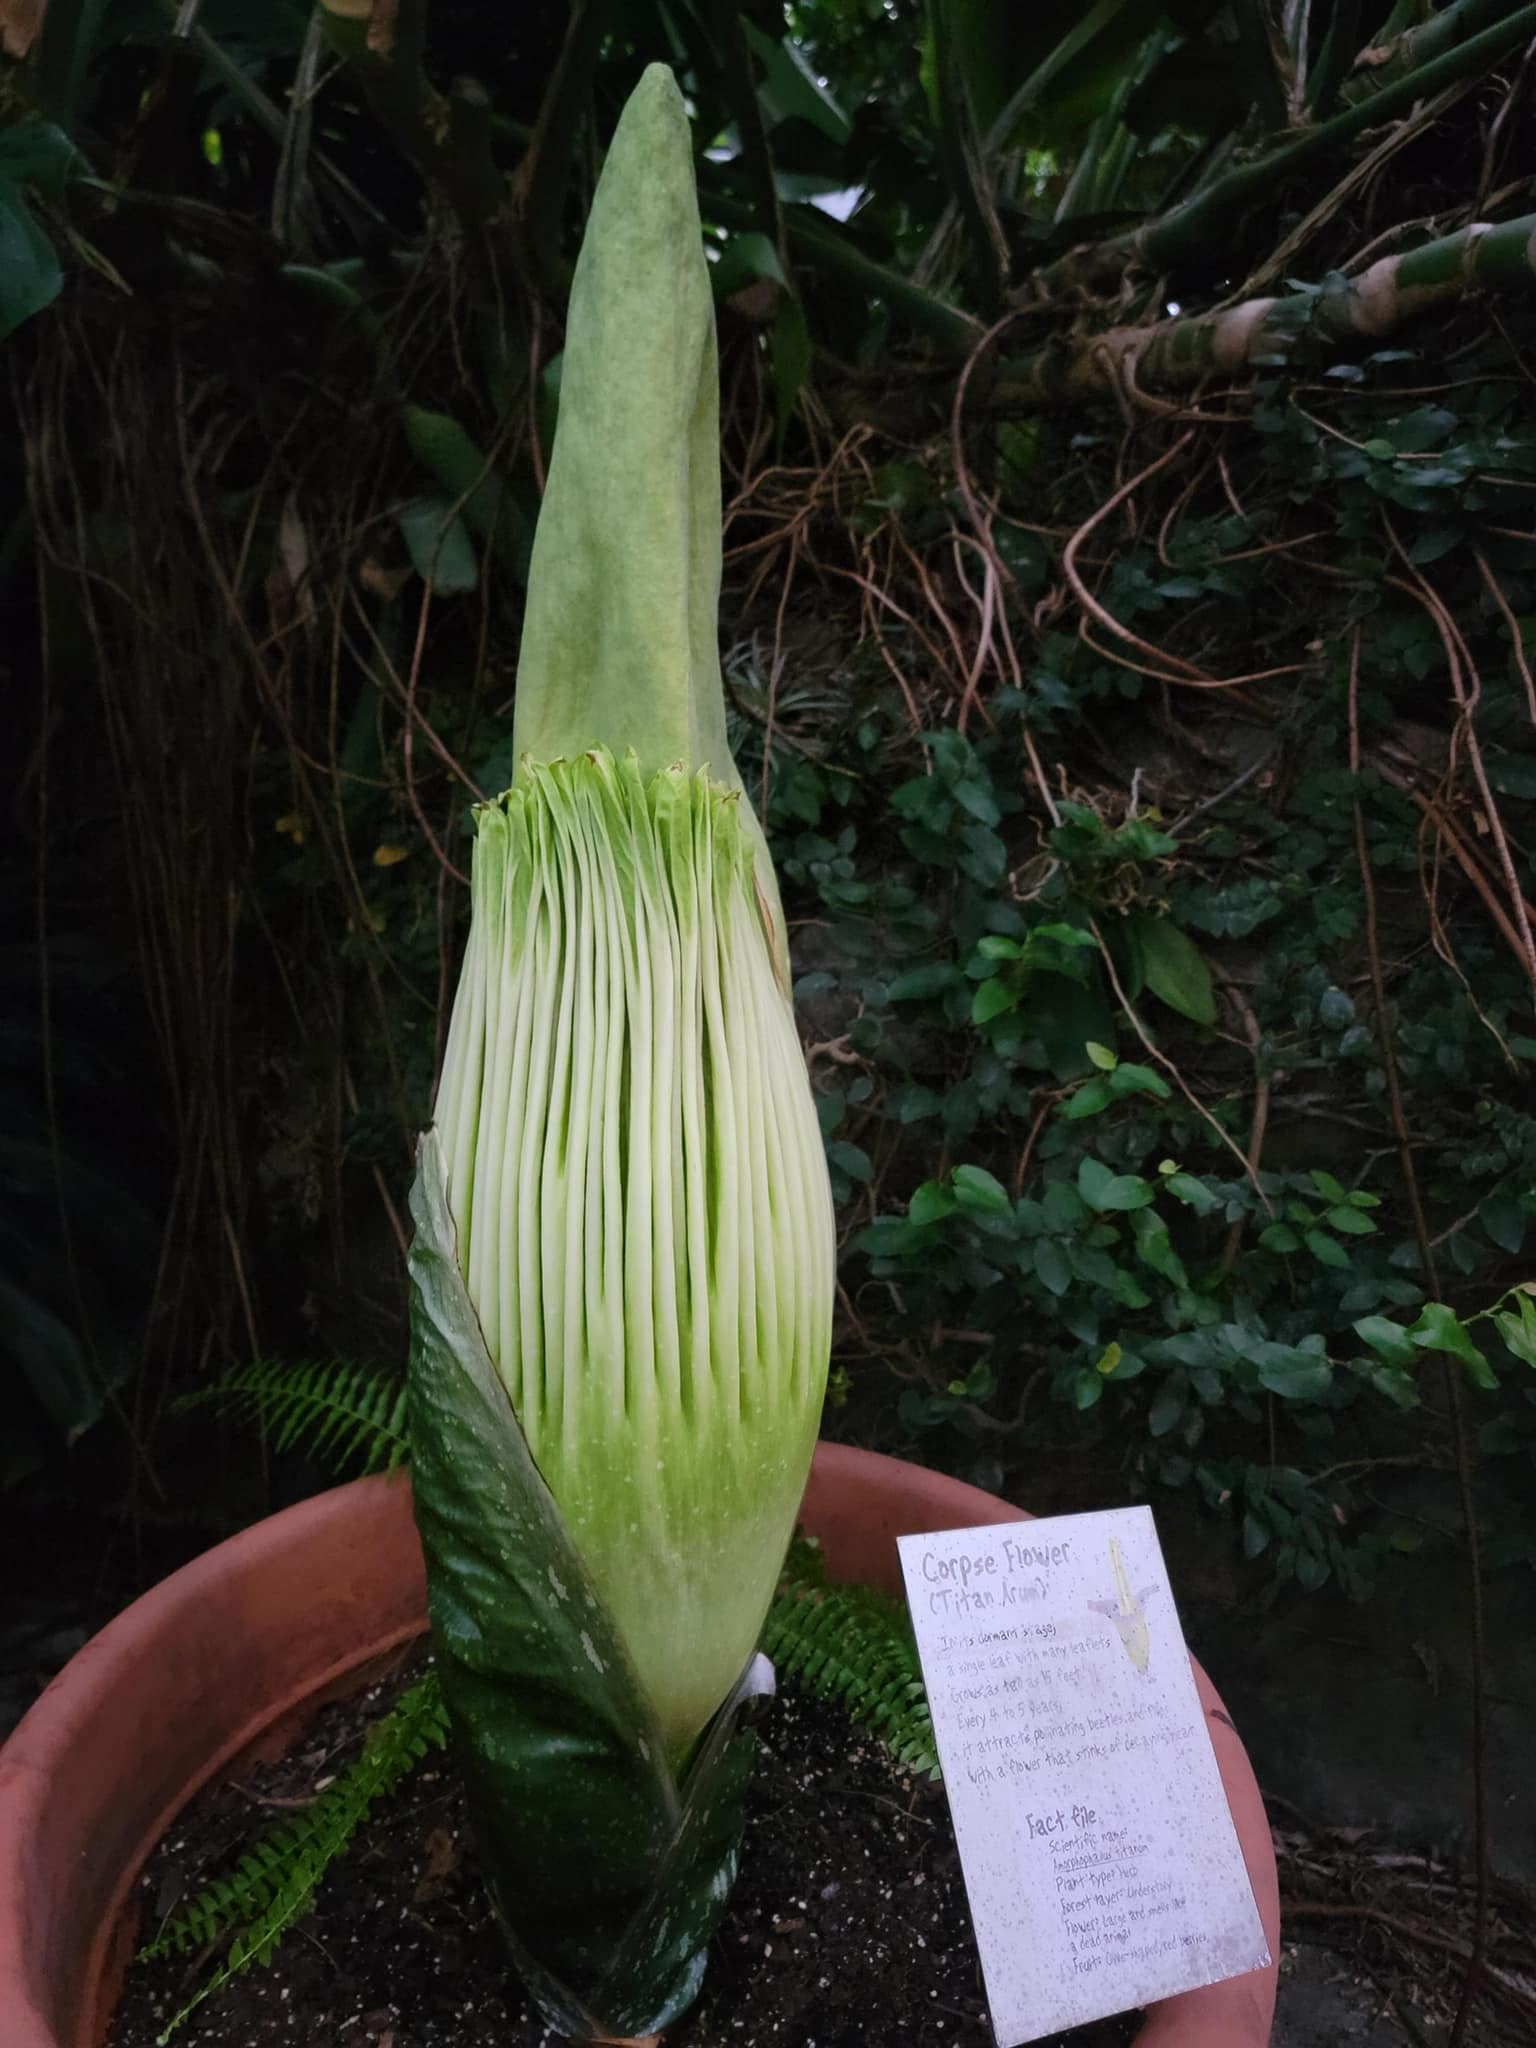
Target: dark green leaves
x,y
1439,1328
65,46
791,91
1504,1218
1295,1377
1399,1349
917,984
1052,1265
1517,1326
746,259
1116,1078
1389,1340
979,1193
1174,969
590,1841
32,153
441,444
1513,775
472,505
1232,911
441,550
1103,1189
790,350
1168,1404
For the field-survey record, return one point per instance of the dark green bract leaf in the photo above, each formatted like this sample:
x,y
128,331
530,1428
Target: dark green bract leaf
x,y
609,1874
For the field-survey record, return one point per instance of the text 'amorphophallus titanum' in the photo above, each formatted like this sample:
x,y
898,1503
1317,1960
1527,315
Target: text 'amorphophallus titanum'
x,y
623,1264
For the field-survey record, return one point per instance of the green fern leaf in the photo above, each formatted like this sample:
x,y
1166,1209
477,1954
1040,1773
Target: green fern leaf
x,y
854,1649
275,1882
352,1416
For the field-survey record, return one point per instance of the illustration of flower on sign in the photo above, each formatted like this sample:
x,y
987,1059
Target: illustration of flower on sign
x,y
1127,1613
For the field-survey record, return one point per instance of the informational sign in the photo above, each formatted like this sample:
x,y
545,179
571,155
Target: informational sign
x,y
1098,1849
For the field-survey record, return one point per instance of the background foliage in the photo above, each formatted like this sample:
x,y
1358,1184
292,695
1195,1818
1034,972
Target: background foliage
x,y
1144,721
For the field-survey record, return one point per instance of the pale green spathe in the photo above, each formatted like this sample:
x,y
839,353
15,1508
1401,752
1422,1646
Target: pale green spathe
x,y
636,1176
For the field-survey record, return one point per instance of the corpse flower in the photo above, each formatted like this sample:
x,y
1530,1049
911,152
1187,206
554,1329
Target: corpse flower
x,y
622,1272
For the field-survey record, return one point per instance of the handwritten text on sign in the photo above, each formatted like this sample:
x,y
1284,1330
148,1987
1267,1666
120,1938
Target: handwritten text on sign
x,y
1099,1854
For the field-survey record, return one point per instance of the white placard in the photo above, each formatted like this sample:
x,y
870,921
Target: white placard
x,y
1098,1849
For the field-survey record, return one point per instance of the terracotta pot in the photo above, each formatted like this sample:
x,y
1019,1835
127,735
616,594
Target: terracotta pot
x,y
228,1656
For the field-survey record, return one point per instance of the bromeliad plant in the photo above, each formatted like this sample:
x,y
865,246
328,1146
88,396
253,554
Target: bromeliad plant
x,y
623,1263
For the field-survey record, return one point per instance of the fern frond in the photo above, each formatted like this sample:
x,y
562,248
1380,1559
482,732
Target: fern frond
x,y
854,1649
349,1415
274,1883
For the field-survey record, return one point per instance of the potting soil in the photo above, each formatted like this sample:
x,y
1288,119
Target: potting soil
x,y
848,1926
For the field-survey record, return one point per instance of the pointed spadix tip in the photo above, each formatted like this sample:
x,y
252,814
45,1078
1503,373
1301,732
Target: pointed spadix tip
x,y
656,114
659,87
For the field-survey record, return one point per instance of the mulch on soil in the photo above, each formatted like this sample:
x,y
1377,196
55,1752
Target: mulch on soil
x,y
848,1927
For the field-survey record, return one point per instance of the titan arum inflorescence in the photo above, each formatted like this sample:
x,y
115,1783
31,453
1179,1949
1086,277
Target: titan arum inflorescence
x,y
623,1267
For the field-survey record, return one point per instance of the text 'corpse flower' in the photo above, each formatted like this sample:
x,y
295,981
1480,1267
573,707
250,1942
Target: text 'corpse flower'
x,y
623,1265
